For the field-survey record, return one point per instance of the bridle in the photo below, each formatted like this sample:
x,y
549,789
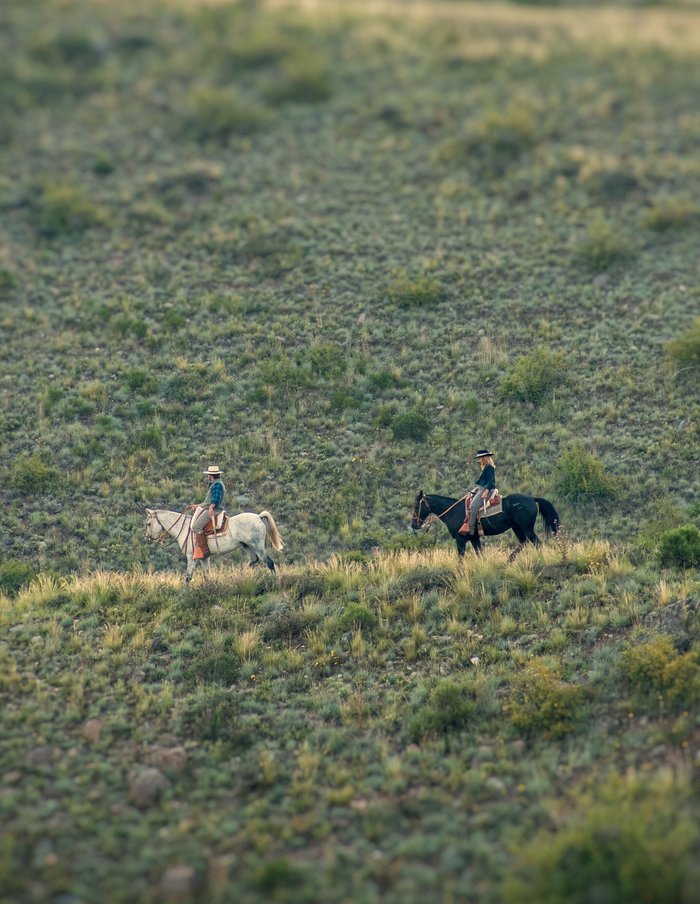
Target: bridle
x,y
165,531
431,517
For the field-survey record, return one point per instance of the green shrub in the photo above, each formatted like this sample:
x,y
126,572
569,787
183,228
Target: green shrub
x,y
680,547
685,351
542,703
534,376
303,78
31,475
411,425
449,707
214,113
630,843
356,616
222,667
415,293
602,246
150,438
670,213
14,574
655,668
581,476
213,714
326,359
65,209
500,137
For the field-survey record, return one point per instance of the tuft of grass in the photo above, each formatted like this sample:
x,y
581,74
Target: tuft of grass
x,y
31,475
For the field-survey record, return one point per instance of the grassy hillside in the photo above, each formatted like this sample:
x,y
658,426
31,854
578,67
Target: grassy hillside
x,y
335,248
404,730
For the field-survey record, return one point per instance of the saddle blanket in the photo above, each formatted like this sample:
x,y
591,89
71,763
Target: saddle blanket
x,y
221,521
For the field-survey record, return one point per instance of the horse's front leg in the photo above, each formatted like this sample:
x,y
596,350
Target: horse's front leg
x,y
191,565
461,545
476,543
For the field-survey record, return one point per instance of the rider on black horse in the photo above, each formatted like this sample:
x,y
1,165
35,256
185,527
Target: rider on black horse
x,y
485,486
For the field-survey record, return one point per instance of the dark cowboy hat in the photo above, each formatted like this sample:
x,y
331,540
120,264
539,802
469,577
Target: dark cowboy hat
x,y
482,453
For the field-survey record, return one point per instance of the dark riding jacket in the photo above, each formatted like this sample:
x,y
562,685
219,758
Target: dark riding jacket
x,y
487,478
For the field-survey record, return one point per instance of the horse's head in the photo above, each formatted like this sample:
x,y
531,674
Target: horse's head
x,y
154,529
421,510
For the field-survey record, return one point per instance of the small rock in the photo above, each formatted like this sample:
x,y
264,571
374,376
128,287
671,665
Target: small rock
x,y
178,882
172,758
41,756
146,787
495,784
92,730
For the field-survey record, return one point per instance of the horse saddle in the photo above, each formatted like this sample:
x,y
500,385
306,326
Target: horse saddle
x,y
219,525
487,508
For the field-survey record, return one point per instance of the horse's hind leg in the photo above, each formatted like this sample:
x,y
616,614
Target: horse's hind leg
x,y
254,557
522,540
533,538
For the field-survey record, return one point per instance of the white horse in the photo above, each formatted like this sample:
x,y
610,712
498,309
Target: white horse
x,y
247,530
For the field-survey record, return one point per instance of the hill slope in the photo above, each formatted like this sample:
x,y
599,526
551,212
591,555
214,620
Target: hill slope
x,y
403,730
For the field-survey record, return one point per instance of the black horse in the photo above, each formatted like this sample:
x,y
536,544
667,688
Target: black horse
x,y
519,515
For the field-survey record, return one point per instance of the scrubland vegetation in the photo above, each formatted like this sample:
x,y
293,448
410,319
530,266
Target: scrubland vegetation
x,y
404,728
335,247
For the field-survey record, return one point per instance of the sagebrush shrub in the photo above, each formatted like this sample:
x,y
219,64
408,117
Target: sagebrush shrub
x,y
31,475
534,376
655,668
14,574
214,113
581,476
418,292
356,616
449,707
626,843
670,213
64,209
680,547
685,351
603,245
542,703
411,425
302,78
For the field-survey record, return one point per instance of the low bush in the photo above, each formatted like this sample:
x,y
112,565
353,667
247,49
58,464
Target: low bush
x,y
213,714
408,292
449,707
222,667
581,476
631,843
685,351
680,547
31,475
411,425
602,246
356,616
534,376
303,78
670,213
14,574
214,113
65,209
542,703
655,668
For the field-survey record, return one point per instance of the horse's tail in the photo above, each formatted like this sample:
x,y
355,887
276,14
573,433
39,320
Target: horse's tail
x,y
550,516
273,535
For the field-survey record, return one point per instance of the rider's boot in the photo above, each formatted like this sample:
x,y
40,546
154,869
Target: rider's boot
x,y
201,547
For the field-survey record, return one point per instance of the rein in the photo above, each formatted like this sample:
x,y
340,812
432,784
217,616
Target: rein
x,y
424,523
165,532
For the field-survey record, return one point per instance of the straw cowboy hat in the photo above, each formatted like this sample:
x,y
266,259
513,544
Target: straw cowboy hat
x,y
212,469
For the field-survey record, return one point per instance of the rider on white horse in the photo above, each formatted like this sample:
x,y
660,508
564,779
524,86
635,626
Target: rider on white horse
x,y
207,511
